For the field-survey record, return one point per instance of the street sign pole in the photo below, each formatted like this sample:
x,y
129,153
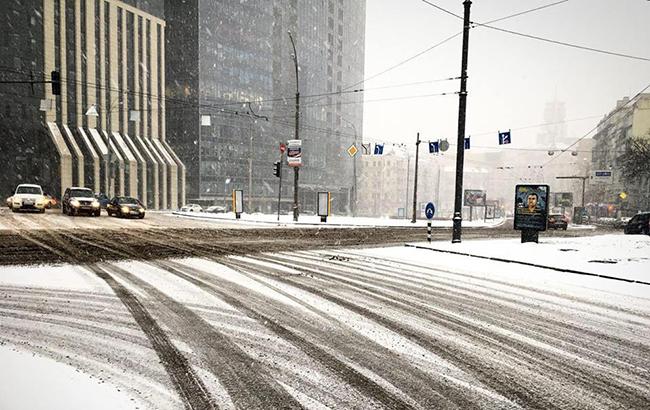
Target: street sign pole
x,y
282,149
429,211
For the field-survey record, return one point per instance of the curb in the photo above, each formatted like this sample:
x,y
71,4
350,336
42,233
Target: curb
x,y
576,272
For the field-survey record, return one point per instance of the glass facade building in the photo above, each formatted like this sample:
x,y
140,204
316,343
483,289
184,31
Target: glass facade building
x,y
231,96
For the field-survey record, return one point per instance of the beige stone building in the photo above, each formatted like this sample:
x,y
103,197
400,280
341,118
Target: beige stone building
x,y
627,120
106,129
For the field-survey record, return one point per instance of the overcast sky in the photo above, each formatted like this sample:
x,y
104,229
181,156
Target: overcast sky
x,y
510,78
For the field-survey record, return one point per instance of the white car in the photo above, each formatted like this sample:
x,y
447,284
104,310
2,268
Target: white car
x,y
28,197
192,208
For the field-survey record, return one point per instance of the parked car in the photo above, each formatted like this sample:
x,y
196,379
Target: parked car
x,y
77,200
103,199
216,209
558,221
125,207
640,223
28,197
192,208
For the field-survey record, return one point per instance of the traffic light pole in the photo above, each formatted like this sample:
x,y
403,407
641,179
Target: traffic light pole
x,y
280,184
460,145
415,183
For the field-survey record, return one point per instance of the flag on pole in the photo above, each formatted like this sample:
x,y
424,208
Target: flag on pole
x,y
504,137
379,149
467,143
434,147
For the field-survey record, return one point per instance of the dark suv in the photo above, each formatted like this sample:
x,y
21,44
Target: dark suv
x,y
77,200
640,223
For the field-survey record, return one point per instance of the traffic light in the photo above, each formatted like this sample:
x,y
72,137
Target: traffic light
x,y
56,83
277,169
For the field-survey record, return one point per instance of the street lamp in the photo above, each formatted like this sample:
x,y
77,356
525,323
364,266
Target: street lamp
x,y
225,193
354,169
296,211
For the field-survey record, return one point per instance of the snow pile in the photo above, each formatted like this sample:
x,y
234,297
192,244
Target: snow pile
x,y
334,221
620,256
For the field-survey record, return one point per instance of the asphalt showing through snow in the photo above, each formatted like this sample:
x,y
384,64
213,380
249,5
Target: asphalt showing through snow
x,y
271,319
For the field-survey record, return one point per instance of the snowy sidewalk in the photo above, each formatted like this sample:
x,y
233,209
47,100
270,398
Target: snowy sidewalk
x,y
623,257
333,221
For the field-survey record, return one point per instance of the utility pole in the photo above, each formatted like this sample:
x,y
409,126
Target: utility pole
x,y
408,177
296,169
460,144
415,183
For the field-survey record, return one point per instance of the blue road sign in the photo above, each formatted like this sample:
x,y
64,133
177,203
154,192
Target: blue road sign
x,y
434,147
504,137
379,149
430,210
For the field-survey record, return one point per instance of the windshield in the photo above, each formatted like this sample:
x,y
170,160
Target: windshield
x,y
29,190
127,200
81,193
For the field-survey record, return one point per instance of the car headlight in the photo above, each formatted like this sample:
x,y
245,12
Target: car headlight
x,y
125,209
95,204
141,209
74,203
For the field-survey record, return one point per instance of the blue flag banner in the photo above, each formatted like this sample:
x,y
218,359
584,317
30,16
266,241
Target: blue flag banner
x,y
379,149
434,147
467,143
504,137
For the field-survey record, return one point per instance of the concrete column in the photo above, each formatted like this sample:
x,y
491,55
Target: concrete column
x,y
90,80
153,105
155,162
113,66
180,197
124,63
130,161
78,155
65,157
142,166
63,63
94,157
77,54
104,105
115,152
49,58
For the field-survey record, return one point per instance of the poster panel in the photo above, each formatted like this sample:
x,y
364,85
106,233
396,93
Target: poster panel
x,y
531,207
474,197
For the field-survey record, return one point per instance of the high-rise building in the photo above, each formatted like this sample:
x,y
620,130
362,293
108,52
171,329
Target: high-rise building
x,y
232,91
106,128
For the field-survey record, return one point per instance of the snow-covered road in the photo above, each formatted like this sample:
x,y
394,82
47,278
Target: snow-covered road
x,y
349,328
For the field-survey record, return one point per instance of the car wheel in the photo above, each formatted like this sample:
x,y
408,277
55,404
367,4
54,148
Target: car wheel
x,y
141,216
42,211
13,209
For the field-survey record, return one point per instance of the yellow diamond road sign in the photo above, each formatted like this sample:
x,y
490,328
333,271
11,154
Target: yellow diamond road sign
x,y
622,195
352,151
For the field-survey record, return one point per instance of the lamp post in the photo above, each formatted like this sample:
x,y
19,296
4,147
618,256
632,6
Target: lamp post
x,y
225,194
296,170
354,169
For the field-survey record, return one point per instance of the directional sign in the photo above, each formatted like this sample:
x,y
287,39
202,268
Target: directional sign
x,y
352,150
430,210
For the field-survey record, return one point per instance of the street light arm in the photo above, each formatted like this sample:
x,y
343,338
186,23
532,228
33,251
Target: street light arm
x,y
295,59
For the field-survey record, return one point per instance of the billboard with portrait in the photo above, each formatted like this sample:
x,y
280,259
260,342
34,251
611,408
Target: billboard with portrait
x,y
474,197
531,207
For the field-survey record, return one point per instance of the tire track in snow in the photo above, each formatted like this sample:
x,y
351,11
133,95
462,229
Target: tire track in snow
x,y
454,296
583,374
242,299
246,382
